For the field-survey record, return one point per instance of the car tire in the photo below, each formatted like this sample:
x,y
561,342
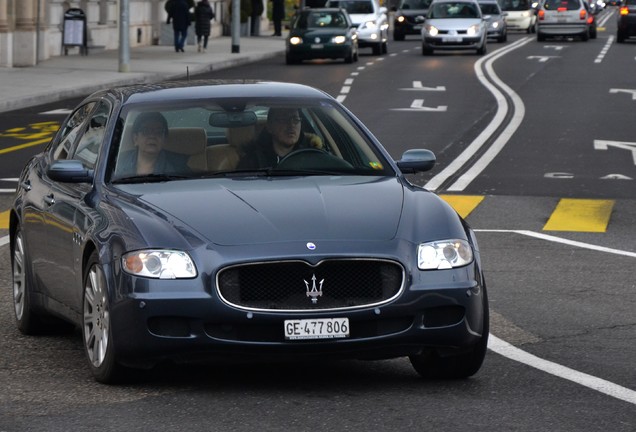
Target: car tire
x,y
349,57
503,38
377,49
585,36
482,49
620,37
290,59
385,47
96,325
426,51
540,37
432,365
27,321
593,33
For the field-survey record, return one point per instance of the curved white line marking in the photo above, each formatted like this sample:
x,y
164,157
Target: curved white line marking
x,y
614,390
502,109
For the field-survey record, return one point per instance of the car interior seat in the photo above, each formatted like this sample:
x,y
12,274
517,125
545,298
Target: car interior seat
x,y
190,141
225,157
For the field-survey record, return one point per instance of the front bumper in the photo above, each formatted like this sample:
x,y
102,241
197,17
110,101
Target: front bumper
x,y
160,324
330,51
444,43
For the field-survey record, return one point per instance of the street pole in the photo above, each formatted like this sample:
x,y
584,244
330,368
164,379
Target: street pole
x,y
124,43
236,26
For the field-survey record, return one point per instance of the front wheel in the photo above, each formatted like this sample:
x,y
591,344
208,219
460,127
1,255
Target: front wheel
x,y
96,326
432,365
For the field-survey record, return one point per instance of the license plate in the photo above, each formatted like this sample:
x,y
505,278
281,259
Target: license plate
x,y
317,46
417,27
319,328
452,39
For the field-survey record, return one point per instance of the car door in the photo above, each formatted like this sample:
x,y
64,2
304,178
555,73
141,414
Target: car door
x,y
71,212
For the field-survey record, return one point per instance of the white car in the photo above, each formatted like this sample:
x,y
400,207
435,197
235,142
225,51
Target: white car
x,y
372,21
520,15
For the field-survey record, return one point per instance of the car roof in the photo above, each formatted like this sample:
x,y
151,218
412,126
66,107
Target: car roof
x,y
204,89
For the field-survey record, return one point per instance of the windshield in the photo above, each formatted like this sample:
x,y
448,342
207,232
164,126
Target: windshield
x,y
316,20
453,10
415,4
353,6
489,9
260,137
515,5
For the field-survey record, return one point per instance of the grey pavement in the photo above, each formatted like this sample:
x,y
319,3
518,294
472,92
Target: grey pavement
x,y
74,75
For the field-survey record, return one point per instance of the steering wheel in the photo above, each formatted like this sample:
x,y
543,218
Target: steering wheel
x,y
311,159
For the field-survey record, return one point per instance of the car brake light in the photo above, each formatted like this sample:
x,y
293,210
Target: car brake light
x,y
590,20
541,14
562,9
624,10
583,14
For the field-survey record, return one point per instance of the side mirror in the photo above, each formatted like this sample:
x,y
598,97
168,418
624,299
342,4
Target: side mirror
x,y
69,171
416,160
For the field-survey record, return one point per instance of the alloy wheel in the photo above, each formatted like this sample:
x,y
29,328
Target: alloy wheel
x,y
96,316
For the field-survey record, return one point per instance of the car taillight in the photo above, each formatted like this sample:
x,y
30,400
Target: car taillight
x,y
541,14
590,20
624,10
562,9
582,15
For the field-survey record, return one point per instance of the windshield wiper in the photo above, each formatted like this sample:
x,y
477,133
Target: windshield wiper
x,y
151,178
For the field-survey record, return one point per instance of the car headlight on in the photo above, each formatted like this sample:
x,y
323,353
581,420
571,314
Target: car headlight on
x,y
472,30
494,24
159,264
339,39
431,30
400,19
295,40
444,254
371,25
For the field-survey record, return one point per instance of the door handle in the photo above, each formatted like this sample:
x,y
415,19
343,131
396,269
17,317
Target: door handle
x,y
49,199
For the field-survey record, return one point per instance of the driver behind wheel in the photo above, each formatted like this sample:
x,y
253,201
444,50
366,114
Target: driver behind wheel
x,y
281,136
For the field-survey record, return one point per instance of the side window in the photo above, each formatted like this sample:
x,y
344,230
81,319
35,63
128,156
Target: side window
x,y
70,131
89,144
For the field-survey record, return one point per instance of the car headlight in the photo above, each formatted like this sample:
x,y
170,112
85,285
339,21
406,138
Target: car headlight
x,y
400,19
159,264
431,30
444,254
371,25
472,30
339,39
295,40
494,24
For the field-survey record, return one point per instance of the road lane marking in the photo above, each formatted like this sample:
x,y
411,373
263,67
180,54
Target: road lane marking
x,y
4,219
600,385
580,215
479,142
463,204
25,145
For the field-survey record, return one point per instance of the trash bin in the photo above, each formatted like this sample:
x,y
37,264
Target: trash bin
x,y
74,31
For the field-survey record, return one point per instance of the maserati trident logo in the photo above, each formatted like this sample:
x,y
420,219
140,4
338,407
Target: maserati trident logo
x,y
314,291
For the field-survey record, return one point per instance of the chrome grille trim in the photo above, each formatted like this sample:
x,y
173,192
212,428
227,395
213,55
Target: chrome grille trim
x,y
398,268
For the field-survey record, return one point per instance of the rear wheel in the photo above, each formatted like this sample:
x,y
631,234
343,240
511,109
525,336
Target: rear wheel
x,y
620,37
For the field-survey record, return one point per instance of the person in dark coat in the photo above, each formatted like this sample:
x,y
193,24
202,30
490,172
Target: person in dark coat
x,y
203,14
257,11
278,14
179,14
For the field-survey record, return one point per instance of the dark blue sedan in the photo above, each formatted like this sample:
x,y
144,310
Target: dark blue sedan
x,y
252,220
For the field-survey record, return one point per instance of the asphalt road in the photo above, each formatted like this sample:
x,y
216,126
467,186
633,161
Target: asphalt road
x,y
563,298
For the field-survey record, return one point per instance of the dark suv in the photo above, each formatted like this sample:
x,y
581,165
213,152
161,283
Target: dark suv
x,y
626,20
409,18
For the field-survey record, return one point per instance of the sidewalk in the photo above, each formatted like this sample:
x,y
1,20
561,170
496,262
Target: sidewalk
x,y
74,75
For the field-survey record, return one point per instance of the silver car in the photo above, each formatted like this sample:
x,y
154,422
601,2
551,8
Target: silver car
x,y
497,27
453,25
565,18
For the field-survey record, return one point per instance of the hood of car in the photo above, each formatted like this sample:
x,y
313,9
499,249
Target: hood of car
x,y
323,34
453,23
256,211
358,19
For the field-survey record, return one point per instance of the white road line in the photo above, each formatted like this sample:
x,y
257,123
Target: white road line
x,y
600,385
605,50
478,143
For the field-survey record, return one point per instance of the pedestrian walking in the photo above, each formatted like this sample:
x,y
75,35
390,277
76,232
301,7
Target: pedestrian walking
x,y
278,13
179,14
203,15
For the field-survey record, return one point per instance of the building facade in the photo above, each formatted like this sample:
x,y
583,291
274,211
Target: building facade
x,y
32,31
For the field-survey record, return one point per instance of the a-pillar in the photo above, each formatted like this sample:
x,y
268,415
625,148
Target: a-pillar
x,y
6,36
25,37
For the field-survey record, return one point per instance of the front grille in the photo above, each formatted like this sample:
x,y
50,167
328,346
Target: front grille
x,y
297,285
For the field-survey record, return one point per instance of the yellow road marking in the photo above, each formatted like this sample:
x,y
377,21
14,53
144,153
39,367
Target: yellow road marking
x,y
4,220
463,204
581,215
25,145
